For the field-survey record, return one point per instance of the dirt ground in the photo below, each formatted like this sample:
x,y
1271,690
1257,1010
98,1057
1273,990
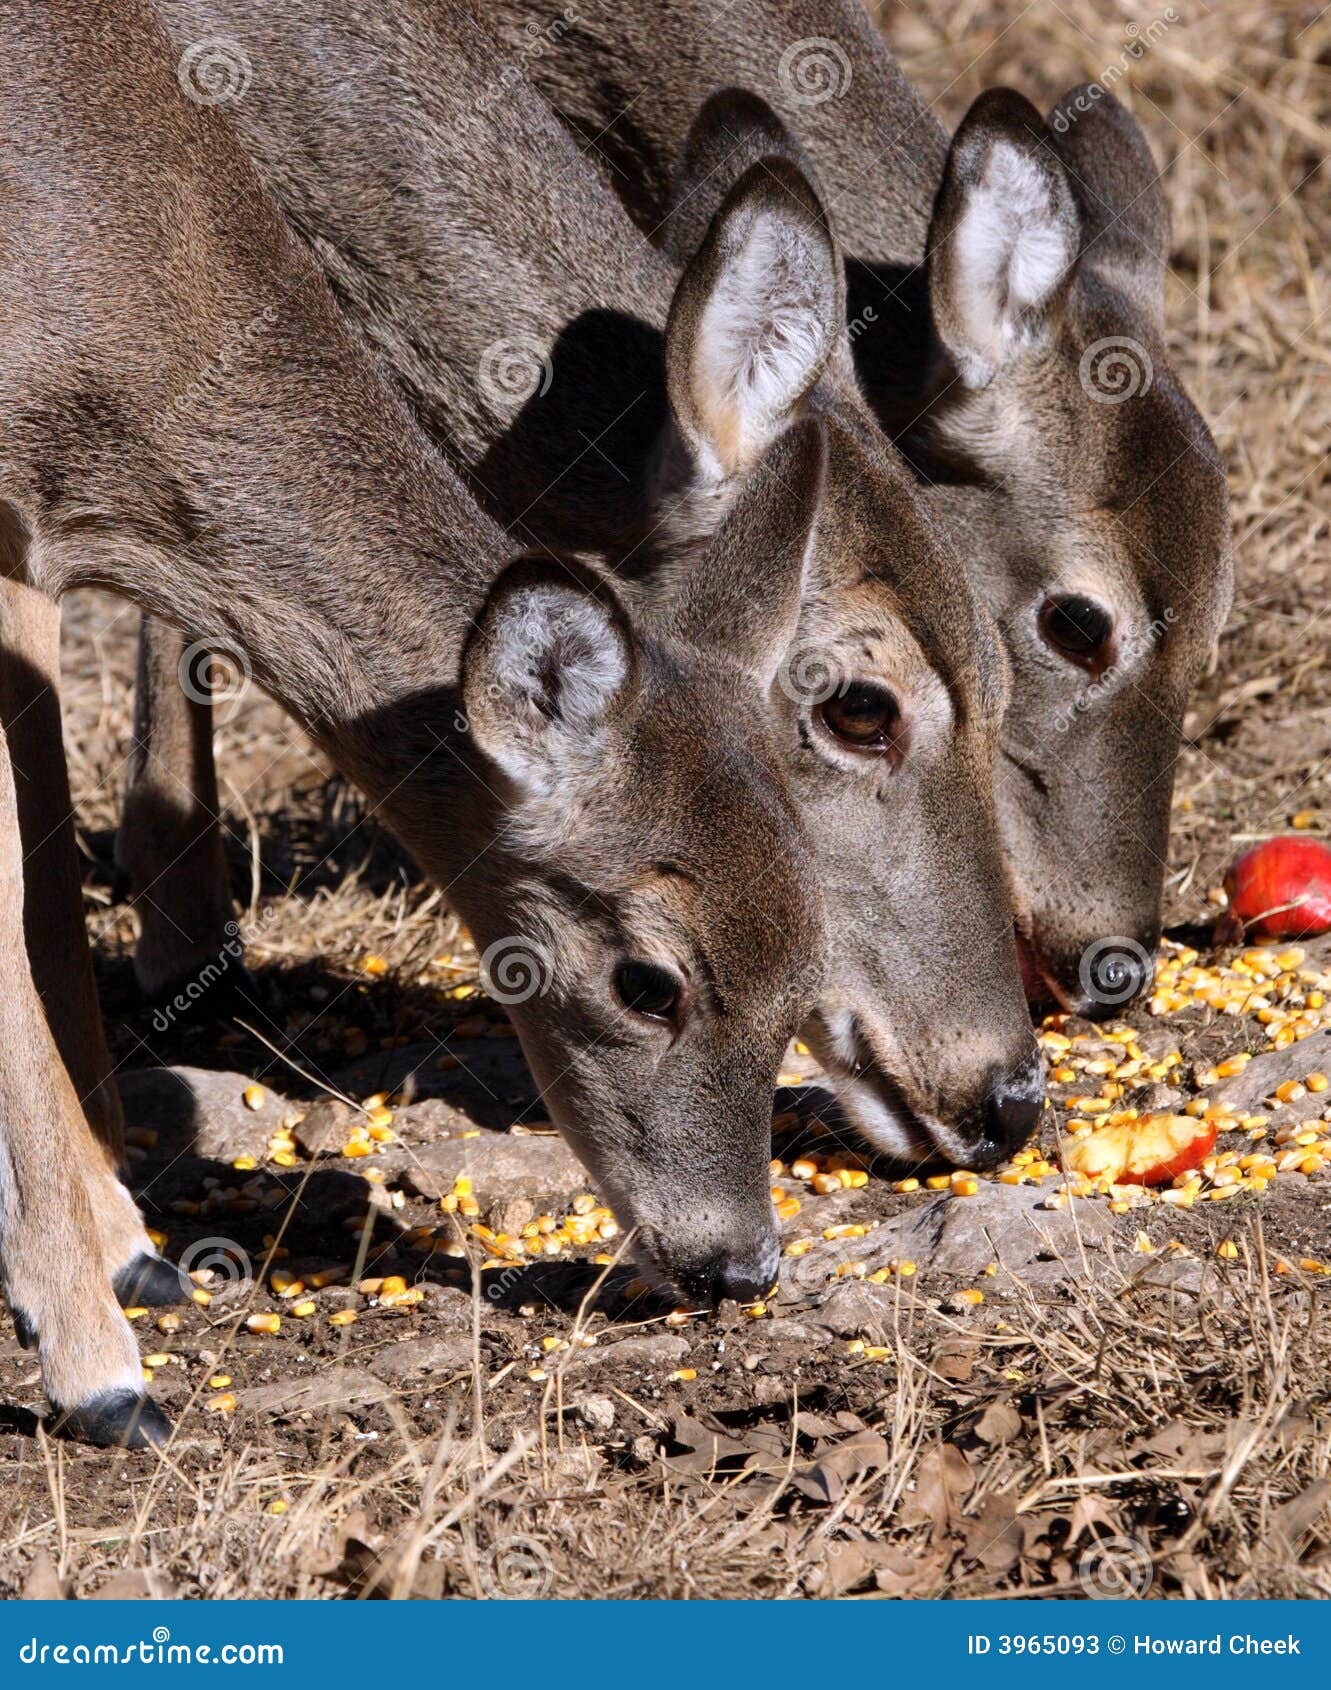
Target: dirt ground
x,y
1079,1400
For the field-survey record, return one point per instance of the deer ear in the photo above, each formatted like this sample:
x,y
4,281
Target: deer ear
x,y
733,131
742,598
1004,237
754,320
548,666
1124,218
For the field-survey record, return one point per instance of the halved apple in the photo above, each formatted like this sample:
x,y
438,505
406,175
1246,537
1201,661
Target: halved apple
x,y
1151,1151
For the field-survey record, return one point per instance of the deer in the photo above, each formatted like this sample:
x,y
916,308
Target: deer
x,y
640,396
534,738
1007,287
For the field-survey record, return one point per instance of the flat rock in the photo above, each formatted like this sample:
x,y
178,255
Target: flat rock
x,y
440,1357
648,1354
962,1235
502,1167
340,1387
200,1110
1248,1091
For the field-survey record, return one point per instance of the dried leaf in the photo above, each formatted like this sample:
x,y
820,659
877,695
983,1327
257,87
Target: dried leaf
x,y
1301,1513
943,1480
999,1423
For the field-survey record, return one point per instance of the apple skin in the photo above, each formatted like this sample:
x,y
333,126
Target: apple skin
x,y
1185,1140
1281,889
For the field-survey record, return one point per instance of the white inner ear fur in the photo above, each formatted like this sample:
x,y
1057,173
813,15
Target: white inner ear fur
x,y
1014,244
764,336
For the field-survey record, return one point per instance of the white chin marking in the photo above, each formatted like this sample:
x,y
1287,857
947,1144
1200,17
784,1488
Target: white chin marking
x,y
916,1138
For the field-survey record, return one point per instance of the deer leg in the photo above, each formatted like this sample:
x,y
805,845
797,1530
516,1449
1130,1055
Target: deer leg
x,y
51,1264
53,910
56,940
169,845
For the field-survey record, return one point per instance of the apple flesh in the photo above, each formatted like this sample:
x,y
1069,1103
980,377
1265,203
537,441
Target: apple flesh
x,y
1152,1151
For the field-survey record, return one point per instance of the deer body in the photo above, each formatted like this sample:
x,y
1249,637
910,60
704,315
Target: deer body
x,y
519,728
1007,290
477,226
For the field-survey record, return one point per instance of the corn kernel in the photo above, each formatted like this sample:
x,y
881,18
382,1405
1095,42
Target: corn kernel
x,y
254,1097
343,1317
684,1375
223,1404
1228,1251
264,1323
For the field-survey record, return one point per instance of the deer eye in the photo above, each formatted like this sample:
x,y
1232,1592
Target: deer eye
x,y
863,717
648,989
1077,628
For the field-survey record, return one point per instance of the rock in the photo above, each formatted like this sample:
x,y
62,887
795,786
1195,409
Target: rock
x,y
657,1353
856,1309
440,1357
199,1110
1248,1091
341,1387
959,1235
597,1414
503,1167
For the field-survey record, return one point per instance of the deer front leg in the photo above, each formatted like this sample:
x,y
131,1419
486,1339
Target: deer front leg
x,y
56,940
53,911
51,1251
169,844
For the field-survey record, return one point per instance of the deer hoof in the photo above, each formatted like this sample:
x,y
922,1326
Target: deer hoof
x,y
151,1282
24,1330
116,1420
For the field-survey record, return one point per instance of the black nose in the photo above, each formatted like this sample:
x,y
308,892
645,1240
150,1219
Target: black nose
x,y
1011,1112
1108,975
746,1277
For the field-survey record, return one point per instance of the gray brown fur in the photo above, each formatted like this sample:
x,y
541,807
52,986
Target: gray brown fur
x,y
1040,483
448,220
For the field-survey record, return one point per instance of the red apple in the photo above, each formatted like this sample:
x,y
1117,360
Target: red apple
x,y
1151,1151
1281,889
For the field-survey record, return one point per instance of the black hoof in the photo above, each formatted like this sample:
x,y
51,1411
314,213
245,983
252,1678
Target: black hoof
x,y
25,1331
116,1420
151,1282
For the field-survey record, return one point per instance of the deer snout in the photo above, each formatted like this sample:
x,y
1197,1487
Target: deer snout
x,y
745,1274
1010,1112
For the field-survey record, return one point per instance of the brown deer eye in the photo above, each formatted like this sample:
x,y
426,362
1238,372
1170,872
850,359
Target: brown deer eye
x,y
1077,627
648,989
863,717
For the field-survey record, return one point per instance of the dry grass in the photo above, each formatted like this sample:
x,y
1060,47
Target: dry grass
x,y
1194,1424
